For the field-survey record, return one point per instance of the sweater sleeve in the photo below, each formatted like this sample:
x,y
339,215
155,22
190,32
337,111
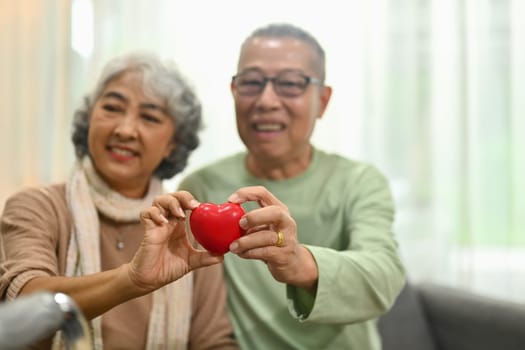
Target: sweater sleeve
x,y
362,281
29,237
211,327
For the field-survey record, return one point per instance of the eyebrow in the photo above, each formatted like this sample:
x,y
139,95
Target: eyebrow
x,y
259,70
148,105
154,106
113,94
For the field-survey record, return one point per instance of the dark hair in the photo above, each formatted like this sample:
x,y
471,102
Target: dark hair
x,y
161,80
286,30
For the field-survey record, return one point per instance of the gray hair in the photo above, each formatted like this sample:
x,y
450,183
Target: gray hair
x,y
286,30
161,80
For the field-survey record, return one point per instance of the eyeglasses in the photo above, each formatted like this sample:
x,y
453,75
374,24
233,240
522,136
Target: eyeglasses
x,y
286,83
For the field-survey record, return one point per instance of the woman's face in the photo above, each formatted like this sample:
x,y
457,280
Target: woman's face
x,y
129,134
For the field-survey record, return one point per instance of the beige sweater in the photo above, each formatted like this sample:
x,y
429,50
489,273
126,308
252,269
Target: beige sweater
x,y
35,229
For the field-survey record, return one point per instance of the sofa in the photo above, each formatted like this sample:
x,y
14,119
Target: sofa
x,y
429,316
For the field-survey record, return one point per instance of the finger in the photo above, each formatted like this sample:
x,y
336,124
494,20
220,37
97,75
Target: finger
x,y
257,228
175,203
268,254
272,216
255,240
151,217
168,206
186,199
255,193
157,216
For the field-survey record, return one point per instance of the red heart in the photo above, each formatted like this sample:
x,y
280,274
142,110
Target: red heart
x,y
215,226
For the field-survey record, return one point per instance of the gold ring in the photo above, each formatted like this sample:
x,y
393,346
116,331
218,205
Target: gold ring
x,y
280,239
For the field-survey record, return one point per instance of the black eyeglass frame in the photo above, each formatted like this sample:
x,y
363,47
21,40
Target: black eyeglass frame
x,y
307,81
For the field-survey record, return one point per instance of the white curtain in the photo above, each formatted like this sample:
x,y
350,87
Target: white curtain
x,y
452,113
431,91
34,92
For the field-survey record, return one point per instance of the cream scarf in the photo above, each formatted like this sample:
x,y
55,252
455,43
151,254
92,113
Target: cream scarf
x,y
86,193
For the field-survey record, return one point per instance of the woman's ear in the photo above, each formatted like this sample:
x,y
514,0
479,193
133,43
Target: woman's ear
x,y
170,147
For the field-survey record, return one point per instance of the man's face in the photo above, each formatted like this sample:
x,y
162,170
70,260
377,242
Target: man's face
x,y
277,128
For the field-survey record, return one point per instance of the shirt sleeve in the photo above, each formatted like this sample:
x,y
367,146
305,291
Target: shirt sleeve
x,y
367,276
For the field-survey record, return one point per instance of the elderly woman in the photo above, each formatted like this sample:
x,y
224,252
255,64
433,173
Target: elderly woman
x,y
98,238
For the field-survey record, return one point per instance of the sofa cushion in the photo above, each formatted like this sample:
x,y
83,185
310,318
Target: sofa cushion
x,y
404,326
462,320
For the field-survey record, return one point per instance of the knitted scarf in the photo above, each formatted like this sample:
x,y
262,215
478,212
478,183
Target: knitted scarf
x,y
87,193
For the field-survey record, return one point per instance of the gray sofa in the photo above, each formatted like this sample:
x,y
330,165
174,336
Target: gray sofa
x,y
434,317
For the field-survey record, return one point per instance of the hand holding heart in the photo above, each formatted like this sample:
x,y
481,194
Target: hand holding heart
x,y
166,254
291,263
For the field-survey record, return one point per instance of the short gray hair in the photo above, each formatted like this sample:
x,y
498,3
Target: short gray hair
x,y
286,30
161,80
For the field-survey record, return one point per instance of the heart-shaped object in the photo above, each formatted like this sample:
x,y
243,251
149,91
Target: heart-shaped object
x,y
215,226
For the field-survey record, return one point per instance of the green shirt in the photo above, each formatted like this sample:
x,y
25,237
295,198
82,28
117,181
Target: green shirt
x,y
344,214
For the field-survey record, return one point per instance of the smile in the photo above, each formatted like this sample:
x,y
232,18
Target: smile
x,y
268,127
122,151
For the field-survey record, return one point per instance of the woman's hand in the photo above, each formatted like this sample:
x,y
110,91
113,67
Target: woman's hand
x,y
166,253
272,237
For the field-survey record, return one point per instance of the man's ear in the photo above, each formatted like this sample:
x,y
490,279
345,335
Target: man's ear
x,y
326,93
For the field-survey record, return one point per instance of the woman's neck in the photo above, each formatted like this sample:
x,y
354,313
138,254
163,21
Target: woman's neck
x,y
135,192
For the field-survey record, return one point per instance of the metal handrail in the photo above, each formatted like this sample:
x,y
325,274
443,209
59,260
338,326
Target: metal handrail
x,y
31,318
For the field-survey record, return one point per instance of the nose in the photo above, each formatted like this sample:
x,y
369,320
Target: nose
x,y
268,98
127,125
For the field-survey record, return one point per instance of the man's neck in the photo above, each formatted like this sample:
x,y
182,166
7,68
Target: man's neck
x,y
279,169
